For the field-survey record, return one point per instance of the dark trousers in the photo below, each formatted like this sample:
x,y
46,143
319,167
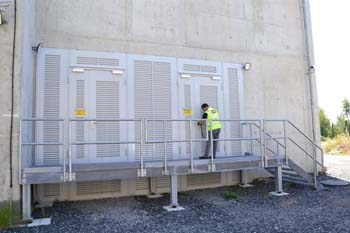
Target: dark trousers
x,y
216,134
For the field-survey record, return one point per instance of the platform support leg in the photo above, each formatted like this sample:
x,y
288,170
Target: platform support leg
x,y
278,183
26,202
244,179
153,189
174,205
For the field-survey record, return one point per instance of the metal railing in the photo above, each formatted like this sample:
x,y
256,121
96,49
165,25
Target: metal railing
x,y
60,142
260,128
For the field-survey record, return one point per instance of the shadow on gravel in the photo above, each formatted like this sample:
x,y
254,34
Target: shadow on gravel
x,y
304,210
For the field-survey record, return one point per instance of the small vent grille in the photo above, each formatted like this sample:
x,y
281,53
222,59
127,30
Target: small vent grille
x,y
208,69
192,68
203,179
142,184
107,106
98,61
51,108
98,187
200,68
234,109
163,182
51,190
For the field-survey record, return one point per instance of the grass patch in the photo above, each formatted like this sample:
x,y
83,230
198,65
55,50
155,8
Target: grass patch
x,y
5,215
231,196
339,145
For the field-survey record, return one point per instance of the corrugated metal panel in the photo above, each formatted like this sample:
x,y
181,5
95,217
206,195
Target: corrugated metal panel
x,y
98,187
80,131
51,190
203,179
152,88
234,109
107,106
51,108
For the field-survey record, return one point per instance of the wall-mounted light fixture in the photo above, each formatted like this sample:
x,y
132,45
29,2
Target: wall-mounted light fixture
x,y
185,76
247,66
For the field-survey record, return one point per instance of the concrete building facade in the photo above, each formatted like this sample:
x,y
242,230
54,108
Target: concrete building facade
x,y
268,34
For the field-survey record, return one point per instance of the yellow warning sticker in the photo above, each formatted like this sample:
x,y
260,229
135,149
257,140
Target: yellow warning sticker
x,y
187,111
80,113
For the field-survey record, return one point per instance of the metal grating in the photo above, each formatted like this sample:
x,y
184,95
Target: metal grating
x,y
79,132
51,190
98,61
98,187
203,179
51,108
107,106
234,109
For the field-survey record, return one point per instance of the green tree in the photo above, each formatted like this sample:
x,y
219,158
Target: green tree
x,y
346,114
340,125
325,124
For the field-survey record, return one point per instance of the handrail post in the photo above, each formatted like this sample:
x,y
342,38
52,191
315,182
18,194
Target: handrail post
x,y
285,141
191,151
251,135
20,152
264,142
261,144
165,153
142,173
314,164
64,149
211,147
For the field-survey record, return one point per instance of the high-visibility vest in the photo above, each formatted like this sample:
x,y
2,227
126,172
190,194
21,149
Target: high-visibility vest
x,y
212,115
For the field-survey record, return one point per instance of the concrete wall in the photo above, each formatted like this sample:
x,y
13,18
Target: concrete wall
x,y
6,44
267,33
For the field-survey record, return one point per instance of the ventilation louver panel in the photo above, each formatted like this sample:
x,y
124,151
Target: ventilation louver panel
x,y
97,61
107,106
199,68
152,88
234,109
80,131
98,187
142,184
188,105
51,190
51,109
203,179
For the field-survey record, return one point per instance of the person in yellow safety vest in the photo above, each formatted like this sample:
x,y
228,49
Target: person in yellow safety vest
x,y
214,128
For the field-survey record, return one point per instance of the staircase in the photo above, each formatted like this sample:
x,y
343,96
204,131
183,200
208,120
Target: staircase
x,y
292,173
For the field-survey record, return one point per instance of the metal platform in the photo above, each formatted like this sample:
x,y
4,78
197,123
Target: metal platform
x,y
130,170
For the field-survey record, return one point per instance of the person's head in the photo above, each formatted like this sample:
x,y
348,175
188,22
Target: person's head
x,y
205,107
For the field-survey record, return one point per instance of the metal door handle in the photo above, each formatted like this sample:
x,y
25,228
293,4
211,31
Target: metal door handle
x,y
92,124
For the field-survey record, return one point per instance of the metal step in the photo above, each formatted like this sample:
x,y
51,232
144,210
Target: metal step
x,y
297,182
296,178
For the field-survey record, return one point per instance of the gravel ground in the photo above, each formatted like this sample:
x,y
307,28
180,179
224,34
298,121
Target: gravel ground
x,y
338,166
304,210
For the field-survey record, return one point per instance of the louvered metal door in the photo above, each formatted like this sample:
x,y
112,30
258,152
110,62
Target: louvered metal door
x,y
193,93
97,95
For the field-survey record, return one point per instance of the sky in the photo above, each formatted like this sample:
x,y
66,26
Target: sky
x,y
331,32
